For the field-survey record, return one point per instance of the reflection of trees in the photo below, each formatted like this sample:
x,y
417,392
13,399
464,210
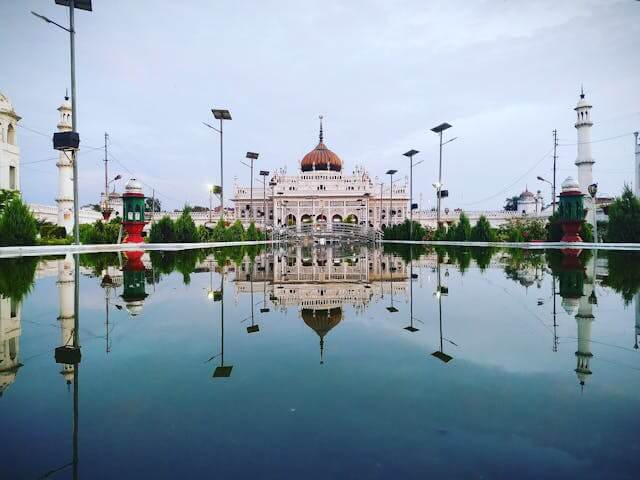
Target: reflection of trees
x,y
522,266
98,262
406,252
482,256
624,273
16,276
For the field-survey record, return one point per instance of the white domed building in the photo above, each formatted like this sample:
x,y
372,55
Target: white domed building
x,y
322,193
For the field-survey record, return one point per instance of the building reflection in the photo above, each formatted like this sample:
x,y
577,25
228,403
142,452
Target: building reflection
x,y
10,331
66,313
321,281
577,283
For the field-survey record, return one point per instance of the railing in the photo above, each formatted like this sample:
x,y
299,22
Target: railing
x,y
328,231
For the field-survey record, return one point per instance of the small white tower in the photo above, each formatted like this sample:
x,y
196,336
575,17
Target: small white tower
x,y
66,317
65,172
9,151
584,160
636,185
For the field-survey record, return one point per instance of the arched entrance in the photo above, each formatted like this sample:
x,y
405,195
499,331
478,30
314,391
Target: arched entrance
x,y
336,218
351,218
306,218
321,218
291,219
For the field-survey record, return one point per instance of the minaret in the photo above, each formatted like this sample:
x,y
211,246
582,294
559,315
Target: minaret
x,y
585,160
636,185
10,331
9,150
65,172
66,317
584,319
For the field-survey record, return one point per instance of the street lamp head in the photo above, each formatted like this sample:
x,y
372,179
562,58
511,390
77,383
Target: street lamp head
x,y
441,128
221,114
80,4
117,177
264,173
540,178
437,185
252,155
593,189
392,172
411,153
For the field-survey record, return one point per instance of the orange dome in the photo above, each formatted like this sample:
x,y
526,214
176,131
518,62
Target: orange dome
x,y
321,158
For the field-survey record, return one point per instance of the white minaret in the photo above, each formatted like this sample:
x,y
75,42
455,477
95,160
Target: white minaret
x,y
66,317
65,172
636,185
9,151
585,160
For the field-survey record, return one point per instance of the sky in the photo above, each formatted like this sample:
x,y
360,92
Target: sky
x,y
504,73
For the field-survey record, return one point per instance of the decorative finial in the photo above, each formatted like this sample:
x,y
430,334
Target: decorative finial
x,y
581,91
66,94
321,135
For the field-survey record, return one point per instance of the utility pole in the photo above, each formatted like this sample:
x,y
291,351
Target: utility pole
x,y
555,158
153,203
106,173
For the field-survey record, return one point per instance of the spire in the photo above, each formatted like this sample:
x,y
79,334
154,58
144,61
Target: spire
x,y
321,135
66,94
581,91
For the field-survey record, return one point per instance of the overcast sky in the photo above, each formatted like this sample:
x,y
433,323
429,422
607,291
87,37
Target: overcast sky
x,y
504,73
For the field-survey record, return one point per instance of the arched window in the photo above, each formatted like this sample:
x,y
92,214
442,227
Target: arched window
x,y
11,135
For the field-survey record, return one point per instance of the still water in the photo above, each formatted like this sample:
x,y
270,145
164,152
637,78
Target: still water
x,y
322,363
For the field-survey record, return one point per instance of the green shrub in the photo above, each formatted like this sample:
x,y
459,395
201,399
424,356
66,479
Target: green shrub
x,y
185,229
482,231
17,224
16,276
100,232
235,233
162,231
624,218
463,229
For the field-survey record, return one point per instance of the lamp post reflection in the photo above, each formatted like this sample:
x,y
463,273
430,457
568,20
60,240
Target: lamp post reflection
x,y
442,290
391,308
221,371
412,276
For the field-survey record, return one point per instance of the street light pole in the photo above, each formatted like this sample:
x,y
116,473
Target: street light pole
x,y
391,173
439,129
593,190
251,156
410,155
221,115
264,174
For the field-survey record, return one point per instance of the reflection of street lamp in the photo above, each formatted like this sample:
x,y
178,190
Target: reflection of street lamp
x,y
439,129
411,328
439,354
221,115
222,371
410,154
391,173
593,190
391,308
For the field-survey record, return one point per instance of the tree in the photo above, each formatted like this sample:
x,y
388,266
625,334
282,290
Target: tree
x,y
482,231
163,231
185,229
624,218
152,204
440,234
463,229
252,233
6,197
218,232
235,233
554,232
511,204
17,224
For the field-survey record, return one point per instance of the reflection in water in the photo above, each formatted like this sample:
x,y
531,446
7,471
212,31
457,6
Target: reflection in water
x,y
327,287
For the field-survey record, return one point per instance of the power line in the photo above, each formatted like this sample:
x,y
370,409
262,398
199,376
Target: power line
x,y
595,141
502,192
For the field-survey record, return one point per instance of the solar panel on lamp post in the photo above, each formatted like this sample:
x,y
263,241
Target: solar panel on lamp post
x,y
391,173
410,155
439,129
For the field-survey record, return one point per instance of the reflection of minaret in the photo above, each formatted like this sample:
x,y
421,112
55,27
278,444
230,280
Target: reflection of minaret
x,y
66,316
134,281
585,318
10,332
637,301
322,321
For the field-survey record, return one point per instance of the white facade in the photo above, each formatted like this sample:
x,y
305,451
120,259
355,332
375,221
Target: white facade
x,y
584,160
65,172
322,196
9,151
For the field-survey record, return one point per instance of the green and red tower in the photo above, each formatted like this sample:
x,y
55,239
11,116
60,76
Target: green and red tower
x,y
133,220
571,212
